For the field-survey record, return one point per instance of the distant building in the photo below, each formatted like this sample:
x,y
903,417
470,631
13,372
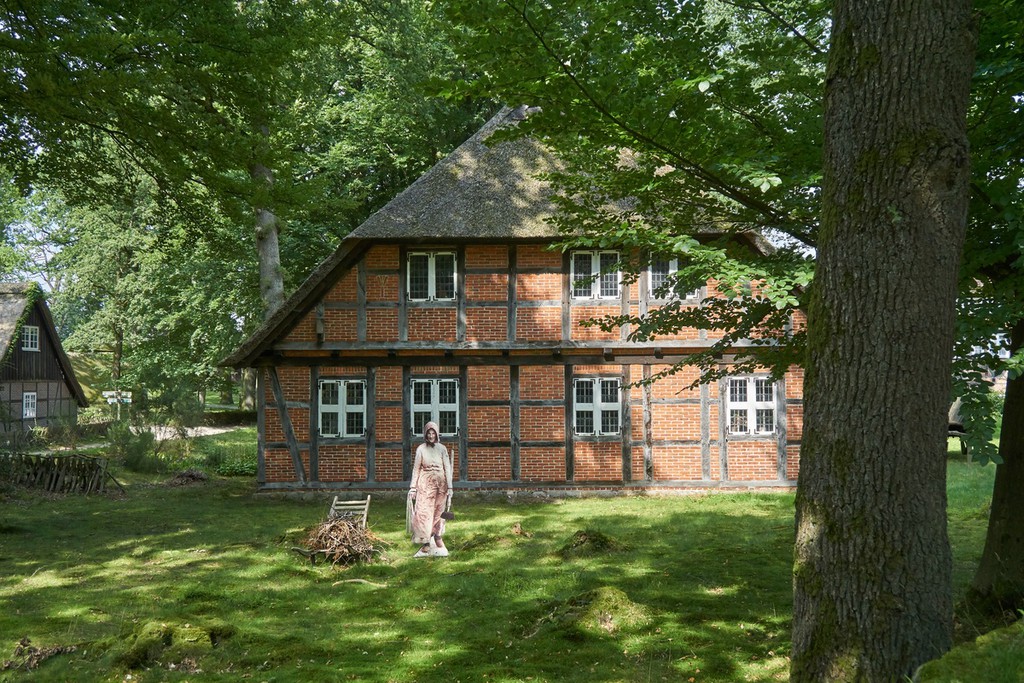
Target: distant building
x,y
37,384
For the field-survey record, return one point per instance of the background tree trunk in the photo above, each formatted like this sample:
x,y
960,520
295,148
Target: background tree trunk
x,y
268,246
999,581
872,579
248,389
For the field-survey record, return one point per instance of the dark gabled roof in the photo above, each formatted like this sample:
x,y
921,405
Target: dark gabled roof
x,y
476,192
15,300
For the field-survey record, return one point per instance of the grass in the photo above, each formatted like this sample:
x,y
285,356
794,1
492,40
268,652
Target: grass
x,y
170,580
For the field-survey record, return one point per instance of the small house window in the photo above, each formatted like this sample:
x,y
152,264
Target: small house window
x,y
435,400
30,338
342,407
596,406
663,273
751,405
594,275
28,405
431,276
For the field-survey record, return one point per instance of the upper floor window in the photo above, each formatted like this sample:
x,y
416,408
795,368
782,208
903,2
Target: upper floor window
x,y
596,406
342,407
663,273
751,405
435,400
28,405
594,275
29,338
431,276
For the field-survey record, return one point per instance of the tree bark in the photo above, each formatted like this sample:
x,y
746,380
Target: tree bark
x,y
872,576
248,389
999,581
268,245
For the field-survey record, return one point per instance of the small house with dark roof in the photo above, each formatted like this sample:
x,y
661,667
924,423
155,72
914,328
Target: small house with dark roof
x,y
37,383
449,305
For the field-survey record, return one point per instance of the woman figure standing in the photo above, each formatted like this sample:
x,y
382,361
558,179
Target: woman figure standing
x,y
430,494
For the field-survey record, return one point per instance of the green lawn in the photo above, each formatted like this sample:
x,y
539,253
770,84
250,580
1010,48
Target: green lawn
x,y
201,577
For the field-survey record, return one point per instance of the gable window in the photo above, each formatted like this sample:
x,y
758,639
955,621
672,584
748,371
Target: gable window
x,y
751,405
342,407
662,275
28,405
431,276
593,275
30,338
596,406
435,400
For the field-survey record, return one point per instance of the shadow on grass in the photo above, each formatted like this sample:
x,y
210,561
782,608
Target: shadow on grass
x,y
696,587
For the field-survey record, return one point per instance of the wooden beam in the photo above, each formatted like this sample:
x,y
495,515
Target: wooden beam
x,y
286,425
314,423
627,425
515,405
570,399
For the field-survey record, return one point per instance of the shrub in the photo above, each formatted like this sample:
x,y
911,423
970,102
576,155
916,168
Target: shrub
x,y
232,461
135,450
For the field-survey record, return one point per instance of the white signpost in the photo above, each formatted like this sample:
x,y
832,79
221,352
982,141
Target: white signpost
x,y
118,397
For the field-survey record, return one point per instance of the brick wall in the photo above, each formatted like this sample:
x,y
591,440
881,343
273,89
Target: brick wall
x,y
382,257
753,460
388,464
597,460
675,421
389,423
279,464
487,287
539,286
488,383
346,289
542,463
581,313
486,324
542,423
539,324
490,464
431,324
487,256
488,423
389,384
792,461
381,324
341,325
343,462
537,256
382,287
541,383
676,462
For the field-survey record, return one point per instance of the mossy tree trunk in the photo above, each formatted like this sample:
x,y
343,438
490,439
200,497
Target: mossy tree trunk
x,y
872,578
999,581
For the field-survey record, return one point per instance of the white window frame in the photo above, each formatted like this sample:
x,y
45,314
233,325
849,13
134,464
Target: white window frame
x,y
342,409
673,270
30,338
597,406
434,406
752,388
432,275
29,405
593,277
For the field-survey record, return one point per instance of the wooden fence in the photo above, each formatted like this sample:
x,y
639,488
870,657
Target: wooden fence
x,y
55,473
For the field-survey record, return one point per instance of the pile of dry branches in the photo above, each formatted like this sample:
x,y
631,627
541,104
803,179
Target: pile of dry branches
x,y
342,541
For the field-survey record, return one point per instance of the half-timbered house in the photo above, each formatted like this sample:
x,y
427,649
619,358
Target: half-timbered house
x,y
449,305
37,383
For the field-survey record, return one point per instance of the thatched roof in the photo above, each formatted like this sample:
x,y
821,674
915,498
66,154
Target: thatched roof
x,y
15,300
477,191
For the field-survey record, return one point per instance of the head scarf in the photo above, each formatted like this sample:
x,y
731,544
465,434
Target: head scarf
x,y
431,425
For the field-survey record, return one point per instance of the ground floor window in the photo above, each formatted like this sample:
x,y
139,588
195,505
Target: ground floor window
x,y
342,407
751,405
435,400
596,406
28,405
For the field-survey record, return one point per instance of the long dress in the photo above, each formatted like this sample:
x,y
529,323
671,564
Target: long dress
x,y
432,479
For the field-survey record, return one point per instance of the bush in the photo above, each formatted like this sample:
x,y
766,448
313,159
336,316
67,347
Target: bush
x,y
135,450
232,461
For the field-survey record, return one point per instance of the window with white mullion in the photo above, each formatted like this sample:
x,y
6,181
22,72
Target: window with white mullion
x,y
431,276
594,275
28,405
663,273
342,408
435,400
751,405
596,406
30,338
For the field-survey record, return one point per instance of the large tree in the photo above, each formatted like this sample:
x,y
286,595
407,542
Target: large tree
x,y
873,567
